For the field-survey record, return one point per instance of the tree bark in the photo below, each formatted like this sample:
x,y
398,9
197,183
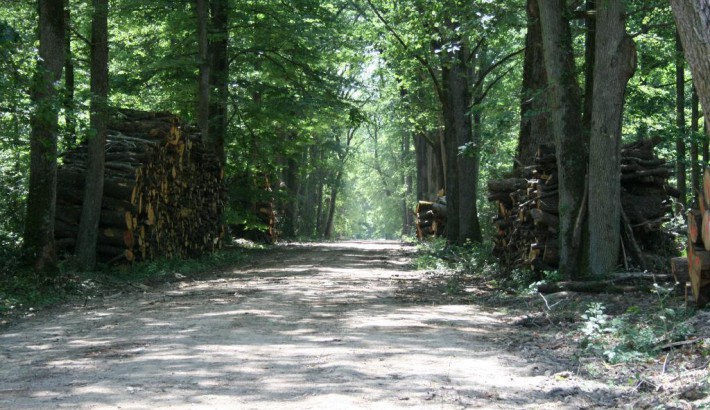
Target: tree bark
x,y
694,151
407,181
565,105
69,81
615,64
39,221
590,45
534,115
203,91
469,176
680,121
219,78
457,129
94,187
693,24
291,203
330,220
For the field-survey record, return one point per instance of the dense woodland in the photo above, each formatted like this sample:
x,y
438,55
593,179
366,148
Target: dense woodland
x,y
327,119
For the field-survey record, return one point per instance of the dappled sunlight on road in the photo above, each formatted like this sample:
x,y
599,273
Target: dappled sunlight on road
x,y
314,326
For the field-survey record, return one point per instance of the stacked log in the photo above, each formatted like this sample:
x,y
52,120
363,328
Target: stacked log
x,y
527,219
698,250
431,218
526,224
163,192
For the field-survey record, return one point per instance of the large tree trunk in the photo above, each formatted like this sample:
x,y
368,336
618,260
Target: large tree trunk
x,y
590,46
203,82
290,211
534,115
430,165
693,23
94,187
694,151
407,219
615,64
309,204
457,129
39,222
680,120
219,78
69,83
565,105
330,220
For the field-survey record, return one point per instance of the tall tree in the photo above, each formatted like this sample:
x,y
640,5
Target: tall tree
x,y
203,92
694,146
94,183
565,112
39,223
590,46
69,80
456,97
615,63
534,115
693,23
680,150
219,77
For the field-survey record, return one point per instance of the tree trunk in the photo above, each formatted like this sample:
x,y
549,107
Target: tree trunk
x,y
694,151
291,203
469,172
308,209
692,21
407,181
615,64
680,120
219,78
94,187
319,194
203,83
457,129
328,232
469,227
69,83
565,105
590,45
534,115
39,222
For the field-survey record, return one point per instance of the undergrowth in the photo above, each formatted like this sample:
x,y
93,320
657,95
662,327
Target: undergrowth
x,y
460,263
637,334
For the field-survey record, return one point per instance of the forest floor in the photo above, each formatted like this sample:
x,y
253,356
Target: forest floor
x,y
326,326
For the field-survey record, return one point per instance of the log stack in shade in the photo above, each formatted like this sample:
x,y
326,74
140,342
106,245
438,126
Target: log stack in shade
x,y
527,219
163,192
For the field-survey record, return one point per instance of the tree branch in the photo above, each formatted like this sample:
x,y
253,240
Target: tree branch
x,y
404,45
492,67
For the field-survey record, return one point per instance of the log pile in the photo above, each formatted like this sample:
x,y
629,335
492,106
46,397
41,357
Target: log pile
x,y
431,218
163,192
698,250
527,219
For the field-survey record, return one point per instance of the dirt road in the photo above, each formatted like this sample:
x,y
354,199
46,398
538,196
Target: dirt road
x,y
320,326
